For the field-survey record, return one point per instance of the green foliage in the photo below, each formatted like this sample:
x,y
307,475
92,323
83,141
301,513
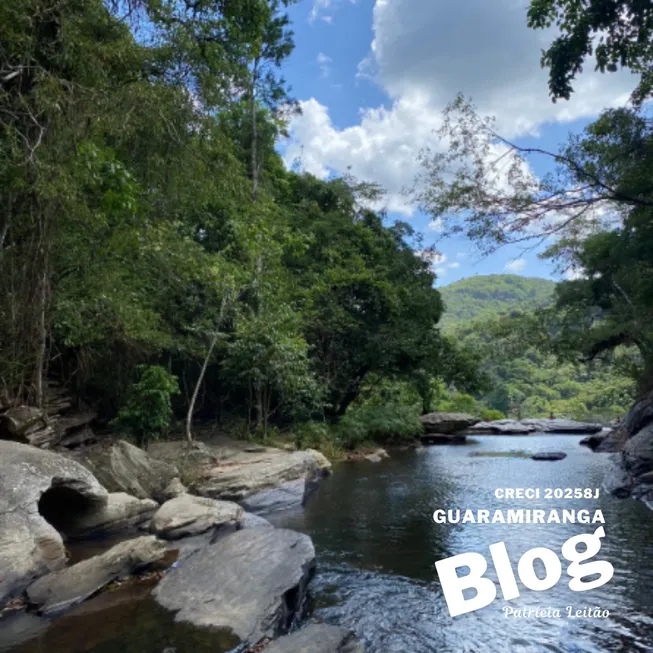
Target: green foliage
x,y
619,34
491,414
386,424
147,411
489,296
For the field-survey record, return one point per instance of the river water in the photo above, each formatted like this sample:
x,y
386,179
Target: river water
x,y
377,544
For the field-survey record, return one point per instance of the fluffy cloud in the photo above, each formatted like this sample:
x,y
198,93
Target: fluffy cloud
x,y
515,266
424,52
320,9
324,62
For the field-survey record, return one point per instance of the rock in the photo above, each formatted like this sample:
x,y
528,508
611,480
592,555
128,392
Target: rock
x,y
286,496
252,582
188,515
61,589
617,481
549,455
122,467
638,452
40,494
447,422
317,638
250,520
562,426
639,416
377,456
16,422
237,480
174,489
526,426
646,479
120,512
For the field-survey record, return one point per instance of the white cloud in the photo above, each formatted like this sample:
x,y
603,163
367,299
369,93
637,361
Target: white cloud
x,y
424,52
454,265
436,225
515,266
324,62
320,7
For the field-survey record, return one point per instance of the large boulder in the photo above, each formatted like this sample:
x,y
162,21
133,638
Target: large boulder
x,y
252,582
40,493
120,512
317,638
187,515
61,589
447,423
638,452
254,472
123,467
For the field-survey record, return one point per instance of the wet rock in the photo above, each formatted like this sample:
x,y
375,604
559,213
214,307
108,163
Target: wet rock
x,y
549,455
502,427
638,452
187,515
61,589
250,520
447,423
286,496
253,582
617,481
33,479
122,467
317,638
378,456
120,512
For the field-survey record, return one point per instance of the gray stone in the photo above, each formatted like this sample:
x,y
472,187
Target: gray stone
x,y
317,638
447,423
30,545
526,426
549,455
617,481
639,416
120,512
174,489
253,582
123,467
61,589
250,520
187,515
263,471
638,452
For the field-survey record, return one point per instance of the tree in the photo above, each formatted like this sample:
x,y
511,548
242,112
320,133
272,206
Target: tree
x,y
617,33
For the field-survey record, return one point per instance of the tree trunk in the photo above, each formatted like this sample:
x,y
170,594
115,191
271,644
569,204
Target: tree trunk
x,y
254,152
200,378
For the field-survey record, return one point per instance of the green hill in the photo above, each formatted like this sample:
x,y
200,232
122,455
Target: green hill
x,y
493,295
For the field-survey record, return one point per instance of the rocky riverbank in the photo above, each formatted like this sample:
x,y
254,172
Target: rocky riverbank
x,y
234,570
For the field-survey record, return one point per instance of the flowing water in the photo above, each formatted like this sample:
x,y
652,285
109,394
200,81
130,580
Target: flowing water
x,y
377,544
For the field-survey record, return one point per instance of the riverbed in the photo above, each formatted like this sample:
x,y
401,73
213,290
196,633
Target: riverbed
x,y
376,547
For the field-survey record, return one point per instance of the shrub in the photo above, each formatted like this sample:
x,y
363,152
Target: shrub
x,y
491,414
391,423
147,412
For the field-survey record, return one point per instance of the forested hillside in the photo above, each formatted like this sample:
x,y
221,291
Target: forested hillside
x,y
494,295
486,314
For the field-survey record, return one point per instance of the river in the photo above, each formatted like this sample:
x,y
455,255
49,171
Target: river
x,y
377,544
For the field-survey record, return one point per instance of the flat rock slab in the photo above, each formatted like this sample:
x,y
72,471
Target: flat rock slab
x,y
549,455
526,426
188,515
252,582
29,545
250,473
61,589
447,423
317,638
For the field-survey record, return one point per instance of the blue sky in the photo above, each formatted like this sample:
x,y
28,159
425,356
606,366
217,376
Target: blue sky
x,y
373,76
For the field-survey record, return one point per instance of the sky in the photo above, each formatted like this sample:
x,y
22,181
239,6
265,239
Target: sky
x,y
373,76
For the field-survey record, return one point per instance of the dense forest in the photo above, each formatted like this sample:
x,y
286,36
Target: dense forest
x,y
158,260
